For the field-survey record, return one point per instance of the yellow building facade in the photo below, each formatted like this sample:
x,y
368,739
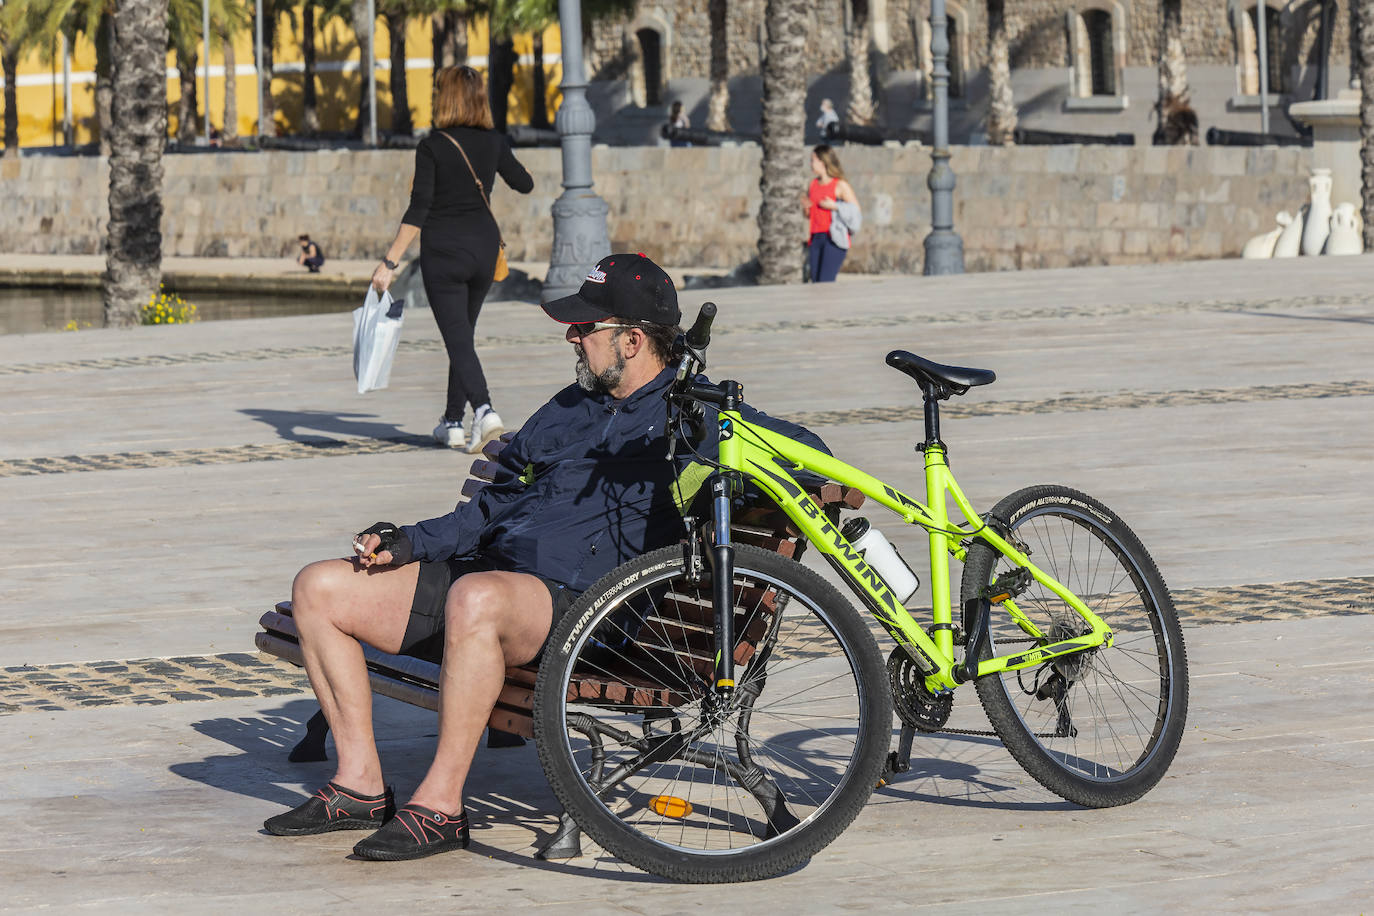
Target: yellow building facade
x,y
42,88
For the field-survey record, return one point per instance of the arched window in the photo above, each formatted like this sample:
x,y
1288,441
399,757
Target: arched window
x,y
1247,51
651,53
1101,74
957,31
1097,32
956,62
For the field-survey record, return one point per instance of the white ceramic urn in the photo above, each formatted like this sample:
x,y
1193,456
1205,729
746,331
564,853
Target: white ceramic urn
x,y
1347,231
1318,225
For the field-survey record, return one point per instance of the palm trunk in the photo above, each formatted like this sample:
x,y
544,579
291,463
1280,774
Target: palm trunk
x,y
860,107
401,122
1173,72
9,62
187,105
540,116
310,116
1365,65
229,130
104,79
362,30
502,75
716,118
783,174
133,242
269,62
1002,104
449,33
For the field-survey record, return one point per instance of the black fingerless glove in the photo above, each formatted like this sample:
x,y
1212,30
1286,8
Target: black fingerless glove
x,y
393,540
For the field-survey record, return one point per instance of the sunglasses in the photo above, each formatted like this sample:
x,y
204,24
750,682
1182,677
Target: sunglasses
x,y
587,328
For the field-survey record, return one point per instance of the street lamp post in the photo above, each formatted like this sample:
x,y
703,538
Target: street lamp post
x,y
262,123
944,248
205,40
579,215
372,72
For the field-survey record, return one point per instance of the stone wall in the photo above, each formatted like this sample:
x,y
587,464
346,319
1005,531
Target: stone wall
x,y
1015,208
1035,30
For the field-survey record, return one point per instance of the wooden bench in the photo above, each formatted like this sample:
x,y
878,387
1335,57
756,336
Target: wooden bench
x,y
415,680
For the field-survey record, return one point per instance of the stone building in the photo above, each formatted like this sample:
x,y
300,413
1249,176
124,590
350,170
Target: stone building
x,y
1083,66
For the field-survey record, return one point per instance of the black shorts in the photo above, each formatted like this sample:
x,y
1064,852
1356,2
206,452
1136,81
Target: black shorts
x,y
425,630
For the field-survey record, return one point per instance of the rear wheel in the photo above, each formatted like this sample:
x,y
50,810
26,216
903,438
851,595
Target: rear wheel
x,y
664,774
1100,727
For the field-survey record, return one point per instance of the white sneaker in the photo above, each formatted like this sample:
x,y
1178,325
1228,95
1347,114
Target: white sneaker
x,y
486,426
450,433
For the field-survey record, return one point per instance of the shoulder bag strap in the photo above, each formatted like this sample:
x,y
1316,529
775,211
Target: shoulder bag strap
x,y
480,189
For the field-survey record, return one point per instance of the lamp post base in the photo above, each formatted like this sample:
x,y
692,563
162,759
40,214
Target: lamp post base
x,y
944,253
579,241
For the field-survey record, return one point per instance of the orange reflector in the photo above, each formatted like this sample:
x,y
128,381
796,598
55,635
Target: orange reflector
x,y
998,599
670,806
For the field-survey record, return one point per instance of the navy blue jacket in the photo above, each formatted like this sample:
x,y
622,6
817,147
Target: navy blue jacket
x,y
584,486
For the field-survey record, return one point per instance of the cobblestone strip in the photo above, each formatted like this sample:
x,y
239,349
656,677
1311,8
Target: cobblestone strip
x,y
314,448
146,682
969,316
1122,400
155,681
236,454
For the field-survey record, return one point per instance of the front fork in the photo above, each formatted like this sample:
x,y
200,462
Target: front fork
x,y
723,579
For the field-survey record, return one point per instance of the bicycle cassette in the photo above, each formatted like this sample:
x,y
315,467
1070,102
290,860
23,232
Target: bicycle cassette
x,y
916,705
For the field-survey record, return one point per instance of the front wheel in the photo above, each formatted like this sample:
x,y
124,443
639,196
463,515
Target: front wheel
x,y
674,778
1099,727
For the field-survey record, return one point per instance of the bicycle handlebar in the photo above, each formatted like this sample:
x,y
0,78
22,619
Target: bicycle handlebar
x,y
700,334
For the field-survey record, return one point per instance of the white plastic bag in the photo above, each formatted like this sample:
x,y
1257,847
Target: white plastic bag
x,y
376,332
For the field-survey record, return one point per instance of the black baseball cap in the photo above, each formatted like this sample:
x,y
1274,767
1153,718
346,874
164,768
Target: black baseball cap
x,y
624,285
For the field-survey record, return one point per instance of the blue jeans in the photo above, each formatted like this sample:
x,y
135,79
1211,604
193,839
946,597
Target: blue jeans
x,y
825,258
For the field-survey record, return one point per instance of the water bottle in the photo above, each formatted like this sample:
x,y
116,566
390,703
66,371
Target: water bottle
x,y
879,553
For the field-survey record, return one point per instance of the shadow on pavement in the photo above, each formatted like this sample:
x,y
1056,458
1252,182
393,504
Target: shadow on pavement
x,y
288,424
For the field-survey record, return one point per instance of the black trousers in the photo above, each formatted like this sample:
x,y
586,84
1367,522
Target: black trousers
x,y
457,277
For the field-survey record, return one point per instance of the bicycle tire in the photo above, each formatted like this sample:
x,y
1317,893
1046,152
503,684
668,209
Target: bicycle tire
x,y
811,716
1098,728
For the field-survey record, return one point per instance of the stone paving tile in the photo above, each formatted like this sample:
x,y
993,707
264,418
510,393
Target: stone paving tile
x,y
324,446
962,316
154,681
146,682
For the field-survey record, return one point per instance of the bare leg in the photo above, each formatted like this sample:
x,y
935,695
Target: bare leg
x,y
335,604
492,620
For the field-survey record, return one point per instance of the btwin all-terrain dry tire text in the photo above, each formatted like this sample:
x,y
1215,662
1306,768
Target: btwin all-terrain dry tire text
x,y
662,773
1098,728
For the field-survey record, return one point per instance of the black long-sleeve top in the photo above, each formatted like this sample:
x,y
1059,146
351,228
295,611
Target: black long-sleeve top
x,y
444,195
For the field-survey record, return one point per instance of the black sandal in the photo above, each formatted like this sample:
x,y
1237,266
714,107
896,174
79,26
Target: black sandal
x,y
334,808
415,832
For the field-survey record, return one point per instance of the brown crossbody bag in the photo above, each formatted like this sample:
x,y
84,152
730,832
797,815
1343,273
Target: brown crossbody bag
x,y
502,270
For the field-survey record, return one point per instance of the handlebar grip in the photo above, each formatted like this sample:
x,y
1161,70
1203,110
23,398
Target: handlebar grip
x,y
700,334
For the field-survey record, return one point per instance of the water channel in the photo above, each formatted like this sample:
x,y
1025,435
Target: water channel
x,y
28,311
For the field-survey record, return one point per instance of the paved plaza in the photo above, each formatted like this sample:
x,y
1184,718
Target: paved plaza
x,y
159,487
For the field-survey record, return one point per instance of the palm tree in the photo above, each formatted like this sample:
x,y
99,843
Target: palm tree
x,y
226,30
9,62
133,242
719,100
783,175
1364,42
310,117
1002,104
1173,74
860,107
395,12
35,23
362,30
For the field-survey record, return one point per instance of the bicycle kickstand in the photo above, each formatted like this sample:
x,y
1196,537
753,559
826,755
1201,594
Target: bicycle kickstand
x,y
898,761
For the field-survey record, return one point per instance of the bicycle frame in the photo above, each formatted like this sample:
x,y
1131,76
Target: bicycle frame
x,y
759,455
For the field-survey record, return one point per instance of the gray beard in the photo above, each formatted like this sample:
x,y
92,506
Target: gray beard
x,y
606,381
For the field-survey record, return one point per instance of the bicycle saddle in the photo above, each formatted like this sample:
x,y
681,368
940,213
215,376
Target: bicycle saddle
x,y
936,380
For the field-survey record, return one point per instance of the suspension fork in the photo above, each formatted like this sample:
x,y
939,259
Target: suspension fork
x,y
723,579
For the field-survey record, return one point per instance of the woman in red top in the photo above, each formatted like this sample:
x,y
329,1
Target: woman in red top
x,y
826,187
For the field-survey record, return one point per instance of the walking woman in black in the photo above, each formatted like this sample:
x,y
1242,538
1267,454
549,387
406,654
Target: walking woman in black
x,y
460,240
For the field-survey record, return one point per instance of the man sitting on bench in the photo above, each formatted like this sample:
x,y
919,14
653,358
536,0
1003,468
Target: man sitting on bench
x,y
583,487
